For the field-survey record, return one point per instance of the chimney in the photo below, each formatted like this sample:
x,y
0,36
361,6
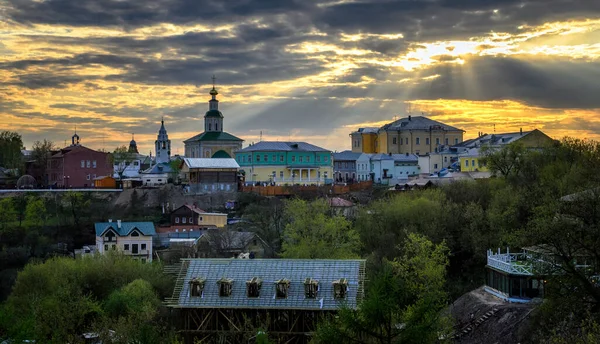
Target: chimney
x,y
119,224
109,220
409,117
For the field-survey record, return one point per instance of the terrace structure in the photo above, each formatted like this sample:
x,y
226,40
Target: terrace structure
x,y
227,300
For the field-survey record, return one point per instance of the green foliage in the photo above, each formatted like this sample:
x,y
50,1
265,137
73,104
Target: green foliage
x,y
121,157
35,212
11,144
8,214
82,295
41,153
313,233
402,304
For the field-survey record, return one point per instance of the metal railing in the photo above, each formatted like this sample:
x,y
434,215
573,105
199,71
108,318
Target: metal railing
x,y
513,263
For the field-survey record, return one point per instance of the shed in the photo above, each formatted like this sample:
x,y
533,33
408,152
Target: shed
x,y
105,182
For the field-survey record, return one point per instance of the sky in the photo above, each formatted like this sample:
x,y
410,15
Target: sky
x,y
301,70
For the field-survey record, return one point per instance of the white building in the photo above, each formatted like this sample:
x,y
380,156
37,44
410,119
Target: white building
x,y
131,238
405,165
162,145
363,167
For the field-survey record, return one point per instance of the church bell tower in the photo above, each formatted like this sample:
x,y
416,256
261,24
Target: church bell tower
x,y
162,145
213,119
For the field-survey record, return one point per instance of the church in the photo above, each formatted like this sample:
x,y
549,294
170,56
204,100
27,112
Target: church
x,y
213,142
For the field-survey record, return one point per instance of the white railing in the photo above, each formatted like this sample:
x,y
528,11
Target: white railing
x,y
508,262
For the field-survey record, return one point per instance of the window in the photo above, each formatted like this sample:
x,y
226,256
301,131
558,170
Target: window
x,y
257,157
209,126
300,159
197,286
418,141
435,166
445,159
437,140
87,177
243,158
135,234
466,162
311,287
134,249
274,158
253,287
345,165
216,126
473,162
184,220
427,140
318,158
225,287
105,247
325,174
281,174
159,180
293,159
455,141
249,158
446,141
87,164
308,159
407,140
281,158
281,288
176,220
191,220
394,140
142,247
94,176
200,218
340,288
326,158
114,246
94,164
266,158
126,247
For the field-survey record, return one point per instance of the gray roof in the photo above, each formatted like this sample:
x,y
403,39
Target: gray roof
x,y
275,146
159,169
500,139
270,271
211,163
369,130
418,123
381,156
346,155
405,157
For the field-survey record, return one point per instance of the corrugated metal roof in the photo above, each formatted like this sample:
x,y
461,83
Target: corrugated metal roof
x,y
417,123
211,163
346,156
146,228
270,271
275,146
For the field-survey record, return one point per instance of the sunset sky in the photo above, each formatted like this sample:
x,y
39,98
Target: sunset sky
x,y
310,70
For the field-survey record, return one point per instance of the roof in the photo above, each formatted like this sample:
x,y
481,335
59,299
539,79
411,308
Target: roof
x,y
346,155
339,202
146,228
213,113
270,271
369,130
472,152
500,139
159,169
64,151
193,208
418,123
405,157
213,136
277,146
380,156
211,163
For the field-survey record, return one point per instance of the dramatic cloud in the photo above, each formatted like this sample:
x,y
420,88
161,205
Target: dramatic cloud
x,y
308,69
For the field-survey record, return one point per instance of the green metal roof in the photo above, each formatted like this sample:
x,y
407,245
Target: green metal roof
x,y
213,113
214,136
146,228
221,154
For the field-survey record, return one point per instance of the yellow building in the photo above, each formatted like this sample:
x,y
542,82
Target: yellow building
x,y
471,161
413,135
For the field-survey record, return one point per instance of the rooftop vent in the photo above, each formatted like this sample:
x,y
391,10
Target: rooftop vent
x,y
311,287
281,288
119,224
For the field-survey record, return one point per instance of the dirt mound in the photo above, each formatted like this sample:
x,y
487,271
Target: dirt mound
x,y
483,318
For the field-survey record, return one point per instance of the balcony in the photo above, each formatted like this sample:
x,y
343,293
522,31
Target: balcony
x,y
512,263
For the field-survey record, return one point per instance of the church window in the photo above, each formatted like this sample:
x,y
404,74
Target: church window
x,y
216,126
209,126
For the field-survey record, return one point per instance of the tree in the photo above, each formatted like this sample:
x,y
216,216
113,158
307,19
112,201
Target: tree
x,y
312,233
175,170
11,145
265,217
507,160
122,158
42,151
402,304
35,211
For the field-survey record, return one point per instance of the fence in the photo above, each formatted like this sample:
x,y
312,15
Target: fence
x,y
275,190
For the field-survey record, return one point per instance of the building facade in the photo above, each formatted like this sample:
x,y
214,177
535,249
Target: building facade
x,y
131,238
413,134
190,217
214,142
344,166
283,163
77,166
406,165
206,175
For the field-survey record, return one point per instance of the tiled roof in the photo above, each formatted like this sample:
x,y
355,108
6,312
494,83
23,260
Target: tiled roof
x,y
211,163
417,123
146,228
276,146
346,155
270,271
213,136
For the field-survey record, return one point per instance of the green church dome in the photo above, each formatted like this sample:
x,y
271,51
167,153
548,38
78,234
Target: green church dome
x,y
213,113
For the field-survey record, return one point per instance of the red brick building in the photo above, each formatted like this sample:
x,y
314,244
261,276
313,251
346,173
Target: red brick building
x,y
77,166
